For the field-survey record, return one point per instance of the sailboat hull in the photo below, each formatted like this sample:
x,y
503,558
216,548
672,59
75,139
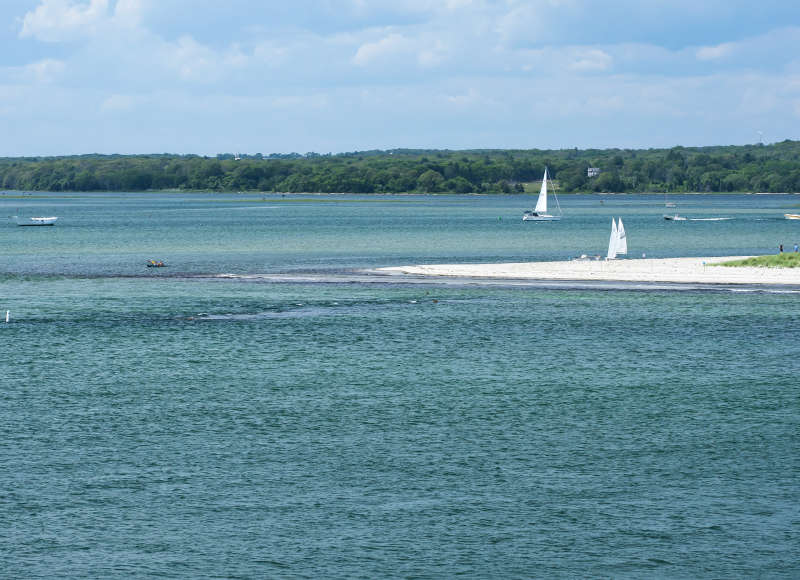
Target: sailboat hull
x,y
36,221
540,218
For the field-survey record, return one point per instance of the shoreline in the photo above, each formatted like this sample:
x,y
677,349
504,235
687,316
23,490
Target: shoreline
x,y
24,193
677,270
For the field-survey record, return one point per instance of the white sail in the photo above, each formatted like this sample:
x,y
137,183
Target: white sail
x,y
541,203
622,240
612,241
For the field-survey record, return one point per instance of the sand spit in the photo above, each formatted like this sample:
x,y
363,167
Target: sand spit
x,y
679,270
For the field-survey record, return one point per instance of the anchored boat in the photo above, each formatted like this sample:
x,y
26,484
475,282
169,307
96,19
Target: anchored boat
x,y
35,221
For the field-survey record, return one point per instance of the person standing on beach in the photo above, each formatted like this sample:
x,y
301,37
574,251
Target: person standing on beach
x,y
780,249
795,248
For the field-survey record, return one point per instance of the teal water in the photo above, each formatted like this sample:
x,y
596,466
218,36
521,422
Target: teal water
x,y
174,423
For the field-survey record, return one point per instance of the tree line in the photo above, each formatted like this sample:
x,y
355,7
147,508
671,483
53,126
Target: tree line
x,y
745,168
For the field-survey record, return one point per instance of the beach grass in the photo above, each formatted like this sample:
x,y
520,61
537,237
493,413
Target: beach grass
x,y
785,260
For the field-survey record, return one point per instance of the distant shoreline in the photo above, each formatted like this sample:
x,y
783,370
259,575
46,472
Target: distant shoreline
x,y
677,270
723,169
11,193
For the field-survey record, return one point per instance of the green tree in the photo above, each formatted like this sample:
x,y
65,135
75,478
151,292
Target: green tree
x,y
430,181
459,185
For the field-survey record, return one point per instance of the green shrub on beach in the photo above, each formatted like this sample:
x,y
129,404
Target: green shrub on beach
x,y
785,260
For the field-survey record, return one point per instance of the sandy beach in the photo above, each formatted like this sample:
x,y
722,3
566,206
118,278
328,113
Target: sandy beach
x,y
678,270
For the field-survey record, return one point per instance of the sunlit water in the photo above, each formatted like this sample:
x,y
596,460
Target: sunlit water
x,y
175,423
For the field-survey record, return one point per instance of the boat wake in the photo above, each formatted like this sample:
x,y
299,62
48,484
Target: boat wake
x,y
764,291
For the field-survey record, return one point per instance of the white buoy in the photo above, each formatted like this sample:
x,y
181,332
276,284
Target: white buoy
x,y
8,315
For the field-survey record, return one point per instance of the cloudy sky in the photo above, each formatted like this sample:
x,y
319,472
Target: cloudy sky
x,y
209,76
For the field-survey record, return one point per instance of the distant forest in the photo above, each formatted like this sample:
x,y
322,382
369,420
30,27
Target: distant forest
x,y
746,168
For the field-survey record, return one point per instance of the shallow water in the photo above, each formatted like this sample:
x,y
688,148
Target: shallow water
x,y
114,234
174,423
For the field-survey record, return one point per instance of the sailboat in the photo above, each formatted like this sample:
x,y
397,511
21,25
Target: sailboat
x,y
618,241
622,239
539,213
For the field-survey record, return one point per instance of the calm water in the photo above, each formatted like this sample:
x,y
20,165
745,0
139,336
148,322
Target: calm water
x,y
175,423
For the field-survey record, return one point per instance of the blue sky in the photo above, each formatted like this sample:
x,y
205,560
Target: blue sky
x,y
201,76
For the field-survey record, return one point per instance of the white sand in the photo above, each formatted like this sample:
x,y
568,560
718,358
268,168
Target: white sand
x,y
681,270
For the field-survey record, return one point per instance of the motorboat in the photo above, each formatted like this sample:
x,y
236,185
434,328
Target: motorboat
x,y
36,221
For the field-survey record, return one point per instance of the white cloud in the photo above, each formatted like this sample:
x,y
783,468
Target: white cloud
x,y
470,98
715,52
116,42
45,71
484,66
68,20
191,60
62,20
122,103
402,52
459,4
530,22
271,53
560,61
434,54
389,47
591,60
129,12
300,102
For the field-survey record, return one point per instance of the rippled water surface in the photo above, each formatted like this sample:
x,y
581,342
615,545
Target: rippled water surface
x,y
179,423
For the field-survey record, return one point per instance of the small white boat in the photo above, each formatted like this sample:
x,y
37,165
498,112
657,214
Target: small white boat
x,y
674,218
539,213
36,221
792,216
618,241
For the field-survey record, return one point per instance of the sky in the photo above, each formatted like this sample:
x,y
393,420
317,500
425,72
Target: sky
x,y
263,76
